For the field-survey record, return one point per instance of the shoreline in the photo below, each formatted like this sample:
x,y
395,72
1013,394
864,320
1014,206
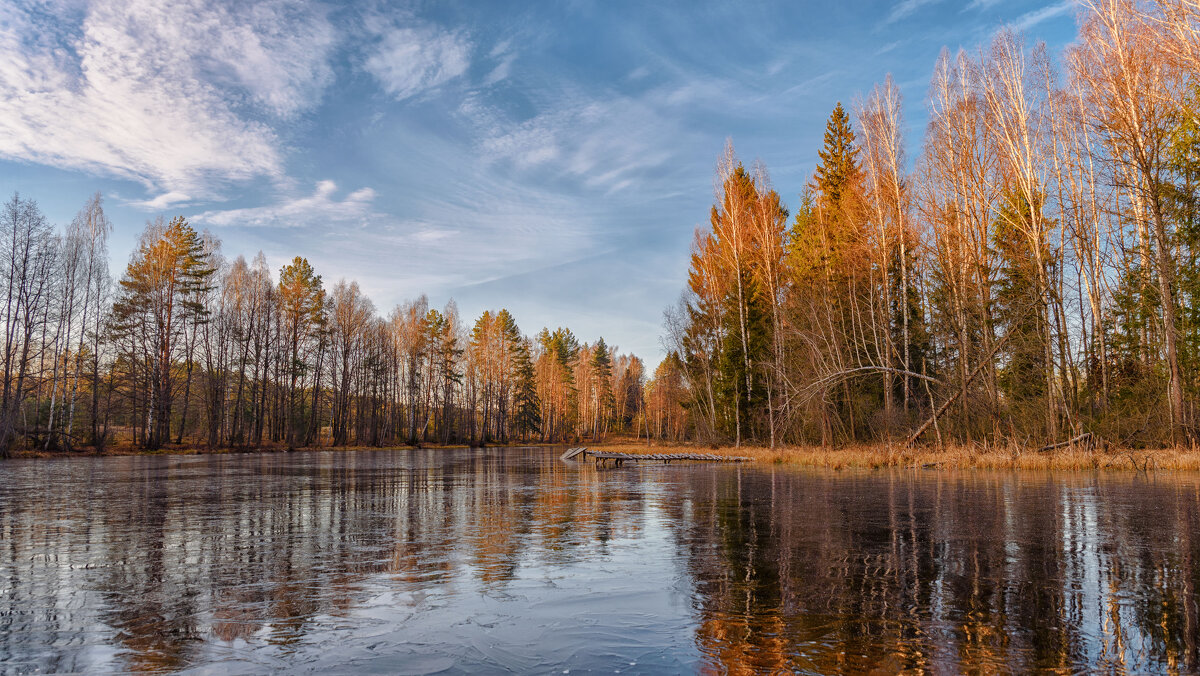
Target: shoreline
x,y
897,455
185,449
862,456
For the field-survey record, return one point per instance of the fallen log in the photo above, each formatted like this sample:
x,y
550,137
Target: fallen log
x,y
1085,437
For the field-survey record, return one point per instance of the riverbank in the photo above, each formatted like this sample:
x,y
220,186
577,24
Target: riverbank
x,y
862,456
188,449
876,456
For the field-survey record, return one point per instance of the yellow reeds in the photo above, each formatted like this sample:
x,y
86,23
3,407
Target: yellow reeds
x,y
879,455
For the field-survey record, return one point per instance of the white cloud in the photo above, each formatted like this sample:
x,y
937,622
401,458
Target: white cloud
x,y
163,201
430,234
502,70
412,60
319,207
1037,16
500,49
170,94
506,56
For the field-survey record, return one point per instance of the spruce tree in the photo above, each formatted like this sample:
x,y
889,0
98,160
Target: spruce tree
x,y
602,392
1021,308
527,419
839,158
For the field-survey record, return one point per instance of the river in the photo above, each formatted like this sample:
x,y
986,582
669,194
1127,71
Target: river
x,y
508,559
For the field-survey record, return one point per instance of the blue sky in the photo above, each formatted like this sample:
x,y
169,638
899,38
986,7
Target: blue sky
x,y
552,158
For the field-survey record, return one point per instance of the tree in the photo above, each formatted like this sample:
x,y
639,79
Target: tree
x,y
601,387
888,202
29,255
527,420
157,299
350,317
302,305
1133,96
1022,310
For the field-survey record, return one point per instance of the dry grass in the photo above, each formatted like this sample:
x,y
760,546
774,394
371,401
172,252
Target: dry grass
x,y
876,456
869,456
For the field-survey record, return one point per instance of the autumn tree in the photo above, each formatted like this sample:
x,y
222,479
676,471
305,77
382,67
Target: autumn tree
x,y
302,304
156,303
1133,97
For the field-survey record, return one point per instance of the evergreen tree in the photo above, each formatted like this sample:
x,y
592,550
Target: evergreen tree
x,y
527,419
739,401
1020,303
1183,202
839,167
602,394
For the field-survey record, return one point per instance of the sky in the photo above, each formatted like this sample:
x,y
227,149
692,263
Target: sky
x,y
553,158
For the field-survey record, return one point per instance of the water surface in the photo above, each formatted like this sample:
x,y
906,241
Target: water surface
x,y
511,560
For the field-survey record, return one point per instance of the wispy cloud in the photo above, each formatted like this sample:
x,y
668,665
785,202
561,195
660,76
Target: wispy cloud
x,y
172,95
1037,16
981,5
603,143
161,202
410,60
884,49
906,8
319,207
505,56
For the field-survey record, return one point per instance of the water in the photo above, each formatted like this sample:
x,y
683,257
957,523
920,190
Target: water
x,y
510,560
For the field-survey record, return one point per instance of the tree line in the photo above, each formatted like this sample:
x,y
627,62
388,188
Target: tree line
x,y
190,348
1031,277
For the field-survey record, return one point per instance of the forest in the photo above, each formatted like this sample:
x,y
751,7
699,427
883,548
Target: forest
x,y
190,349
1029,278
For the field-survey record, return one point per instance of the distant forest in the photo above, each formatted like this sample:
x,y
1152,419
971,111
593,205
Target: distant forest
x,y
189,348
1030,278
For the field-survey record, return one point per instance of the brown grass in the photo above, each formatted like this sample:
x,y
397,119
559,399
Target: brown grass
x,y
875,456
866,456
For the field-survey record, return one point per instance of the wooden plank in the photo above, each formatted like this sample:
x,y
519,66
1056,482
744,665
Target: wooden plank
x,y
572,452
619,458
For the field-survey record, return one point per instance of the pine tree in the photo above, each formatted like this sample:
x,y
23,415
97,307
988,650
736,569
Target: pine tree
x,y
158,297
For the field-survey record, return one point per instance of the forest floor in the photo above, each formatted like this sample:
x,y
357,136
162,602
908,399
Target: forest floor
x,y
880,455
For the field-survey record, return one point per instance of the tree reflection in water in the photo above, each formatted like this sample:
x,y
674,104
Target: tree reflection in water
x,y
969,572
509,558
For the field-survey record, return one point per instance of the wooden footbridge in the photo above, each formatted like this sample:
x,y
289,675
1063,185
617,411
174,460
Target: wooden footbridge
x,y
617,459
